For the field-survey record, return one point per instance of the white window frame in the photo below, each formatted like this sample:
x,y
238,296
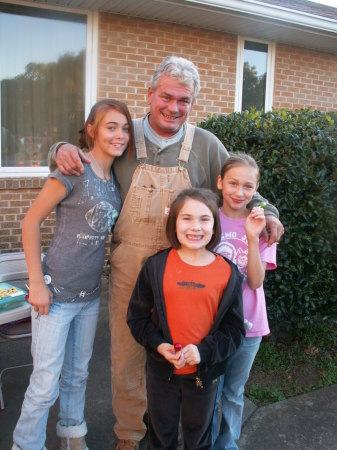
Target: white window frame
x,y
270,73
90,80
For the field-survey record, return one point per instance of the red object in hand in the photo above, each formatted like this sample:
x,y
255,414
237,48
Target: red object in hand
x,y
177,347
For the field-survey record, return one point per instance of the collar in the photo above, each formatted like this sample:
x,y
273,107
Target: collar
x,y
159,141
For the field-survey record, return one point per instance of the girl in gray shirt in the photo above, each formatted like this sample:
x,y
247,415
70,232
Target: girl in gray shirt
x,y
65,289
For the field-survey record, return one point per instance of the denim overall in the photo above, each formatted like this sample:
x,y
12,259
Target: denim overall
x,y
139,233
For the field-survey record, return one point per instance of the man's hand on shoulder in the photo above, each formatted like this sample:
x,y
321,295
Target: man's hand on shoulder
x,y
274,230
70,159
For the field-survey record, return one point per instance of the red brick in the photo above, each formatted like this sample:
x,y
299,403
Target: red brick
x,y
129,49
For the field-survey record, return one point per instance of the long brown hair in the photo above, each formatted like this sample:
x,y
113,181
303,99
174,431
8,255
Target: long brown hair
x,y
96,115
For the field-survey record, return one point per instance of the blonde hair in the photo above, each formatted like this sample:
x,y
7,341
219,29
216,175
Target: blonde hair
x,y
240,159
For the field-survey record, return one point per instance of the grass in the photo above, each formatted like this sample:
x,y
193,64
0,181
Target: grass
x,y
295,364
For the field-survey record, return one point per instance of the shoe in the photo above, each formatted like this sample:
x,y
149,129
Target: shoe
x,y
73,444
127,444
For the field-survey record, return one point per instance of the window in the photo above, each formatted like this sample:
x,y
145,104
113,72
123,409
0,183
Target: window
x,y
255,75
43,57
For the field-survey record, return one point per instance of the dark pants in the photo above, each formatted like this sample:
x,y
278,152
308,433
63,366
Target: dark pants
x,y
166,398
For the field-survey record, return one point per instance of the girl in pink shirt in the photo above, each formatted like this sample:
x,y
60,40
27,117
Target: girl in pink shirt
x,y
241,243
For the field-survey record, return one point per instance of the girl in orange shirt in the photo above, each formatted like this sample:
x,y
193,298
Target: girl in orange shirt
x,y
186,310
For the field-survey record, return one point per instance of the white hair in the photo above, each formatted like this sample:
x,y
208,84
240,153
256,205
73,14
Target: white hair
x,y
182,69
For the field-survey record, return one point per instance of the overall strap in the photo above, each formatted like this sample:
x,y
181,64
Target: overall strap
x,y
187,144
139,138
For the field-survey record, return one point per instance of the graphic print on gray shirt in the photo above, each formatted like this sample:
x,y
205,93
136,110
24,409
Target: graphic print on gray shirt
x,y
74,261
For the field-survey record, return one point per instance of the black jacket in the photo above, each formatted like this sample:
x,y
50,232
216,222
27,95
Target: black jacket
x,y
147,320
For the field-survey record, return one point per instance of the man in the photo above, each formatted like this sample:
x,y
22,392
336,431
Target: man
x,y
171,155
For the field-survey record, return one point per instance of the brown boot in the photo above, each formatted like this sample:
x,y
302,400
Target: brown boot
x,y
127,444
73,444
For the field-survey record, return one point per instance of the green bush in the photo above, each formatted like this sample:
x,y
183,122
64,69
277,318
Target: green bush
x,y
296,152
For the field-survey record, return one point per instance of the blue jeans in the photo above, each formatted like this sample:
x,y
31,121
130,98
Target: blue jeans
x,y
230,391
62,344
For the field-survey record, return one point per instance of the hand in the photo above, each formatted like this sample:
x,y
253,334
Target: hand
x,y
40,298
69,159
175,358
191,354
255,223
273,231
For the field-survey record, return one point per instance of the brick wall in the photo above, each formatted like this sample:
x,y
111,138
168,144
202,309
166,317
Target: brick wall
x,y
16,196
305,78
130,48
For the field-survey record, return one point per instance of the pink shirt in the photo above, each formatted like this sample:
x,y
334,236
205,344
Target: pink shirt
x,y
234,246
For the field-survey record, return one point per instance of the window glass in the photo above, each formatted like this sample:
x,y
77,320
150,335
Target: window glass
x,y
42,82
254,75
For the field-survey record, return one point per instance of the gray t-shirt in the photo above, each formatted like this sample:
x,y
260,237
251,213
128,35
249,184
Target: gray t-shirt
x,y
73,263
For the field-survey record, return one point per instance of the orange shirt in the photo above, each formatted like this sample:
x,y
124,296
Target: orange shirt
x,y
192,296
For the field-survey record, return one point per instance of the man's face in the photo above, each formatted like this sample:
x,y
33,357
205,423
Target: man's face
x,y
170,104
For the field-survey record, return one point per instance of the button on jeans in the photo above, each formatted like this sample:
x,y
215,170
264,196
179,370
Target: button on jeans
x,y
230,391
62,344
